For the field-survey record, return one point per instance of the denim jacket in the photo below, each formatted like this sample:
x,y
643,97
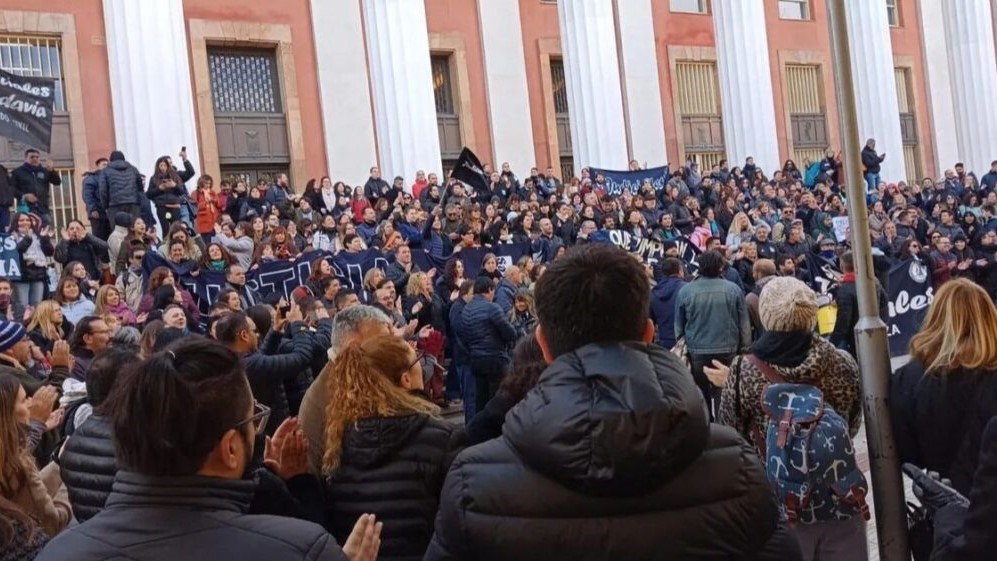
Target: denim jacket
x,y
712,315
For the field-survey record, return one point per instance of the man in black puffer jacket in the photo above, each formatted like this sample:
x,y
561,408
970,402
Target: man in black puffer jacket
x,y
185,425
87,460
267,370
119,187
611,456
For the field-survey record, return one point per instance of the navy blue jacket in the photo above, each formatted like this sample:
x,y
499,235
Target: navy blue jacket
x,y
663,309
485,330
505,295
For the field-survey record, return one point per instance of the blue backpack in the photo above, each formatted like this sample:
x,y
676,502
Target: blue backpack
x,y
809,456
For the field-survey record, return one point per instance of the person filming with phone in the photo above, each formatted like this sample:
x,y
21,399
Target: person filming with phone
x,y
266,367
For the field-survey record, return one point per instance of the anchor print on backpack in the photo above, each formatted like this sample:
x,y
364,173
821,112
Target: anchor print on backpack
x,y
809,456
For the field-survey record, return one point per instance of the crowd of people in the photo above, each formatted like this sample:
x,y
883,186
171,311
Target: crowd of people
x,y
612,407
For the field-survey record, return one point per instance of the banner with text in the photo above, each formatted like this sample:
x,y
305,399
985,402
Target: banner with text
x,y
26,109
910,295
617,181
649,250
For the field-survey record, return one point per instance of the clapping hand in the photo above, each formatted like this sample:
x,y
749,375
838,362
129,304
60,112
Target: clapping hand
x,y
42,403
286,452
365,539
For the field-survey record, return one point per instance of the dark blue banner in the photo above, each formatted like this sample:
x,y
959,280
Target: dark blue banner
x,y
507,254
281,275
911,293
617,181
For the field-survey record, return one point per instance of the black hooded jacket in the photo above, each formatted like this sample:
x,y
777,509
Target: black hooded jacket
x,y
393,467
610,456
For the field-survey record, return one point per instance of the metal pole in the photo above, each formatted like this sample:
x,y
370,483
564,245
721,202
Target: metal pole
x,y
870,332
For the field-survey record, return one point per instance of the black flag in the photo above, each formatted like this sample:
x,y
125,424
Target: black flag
x,y
26,109
468,169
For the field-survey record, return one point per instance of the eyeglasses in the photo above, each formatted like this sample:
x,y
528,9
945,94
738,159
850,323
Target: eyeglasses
x,y
261,414
419,356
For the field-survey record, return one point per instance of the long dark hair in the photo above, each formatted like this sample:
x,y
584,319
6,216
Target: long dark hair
x,y
527,365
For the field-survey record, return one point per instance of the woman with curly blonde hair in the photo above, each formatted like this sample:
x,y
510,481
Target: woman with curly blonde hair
x,y
379,433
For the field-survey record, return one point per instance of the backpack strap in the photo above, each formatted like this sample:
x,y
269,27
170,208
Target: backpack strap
x,y
766,369
772,377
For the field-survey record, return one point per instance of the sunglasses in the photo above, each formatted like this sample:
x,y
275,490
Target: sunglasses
x,y
261,414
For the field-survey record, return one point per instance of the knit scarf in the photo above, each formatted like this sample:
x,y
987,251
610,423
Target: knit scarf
x,y
783,348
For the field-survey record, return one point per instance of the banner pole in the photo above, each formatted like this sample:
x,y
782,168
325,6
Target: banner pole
x,y
870,332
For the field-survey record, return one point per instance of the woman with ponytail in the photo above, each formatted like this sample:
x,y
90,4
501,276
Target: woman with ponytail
x,y
387,450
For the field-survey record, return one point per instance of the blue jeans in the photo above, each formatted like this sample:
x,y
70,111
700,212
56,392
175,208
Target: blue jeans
x,y
871,182
30,293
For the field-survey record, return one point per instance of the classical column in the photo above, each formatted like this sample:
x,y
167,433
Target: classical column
x,y
973,71
150,82
641,84
592,71
402,86
506,84
939,85
746,83
347,115
875,83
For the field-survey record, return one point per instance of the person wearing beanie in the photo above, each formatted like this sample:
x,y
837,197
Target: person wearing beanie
x,y
120,188
791,346
122,227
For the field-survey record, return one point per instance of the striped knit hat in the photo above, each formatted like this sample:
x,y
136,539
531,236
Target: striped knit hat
x,y
10,333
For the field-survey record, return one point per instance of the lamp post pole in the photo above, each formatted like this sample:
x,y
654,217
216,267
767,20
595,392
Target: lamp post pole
x,y
870,332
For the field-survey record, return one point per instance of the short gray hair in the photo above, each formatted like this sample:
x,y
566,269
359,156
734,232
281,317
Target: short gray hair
x,y
349,321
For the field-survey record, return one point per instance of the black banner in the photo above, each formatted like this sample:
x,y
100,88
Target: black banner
x,y
910,295
26,109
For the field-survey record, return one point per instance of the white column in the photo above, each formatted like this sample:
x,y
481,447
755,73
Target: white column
x,y
641,87
937,78
746,83
592,70
505,82
875,83
970,34
402,86
151,91
347,116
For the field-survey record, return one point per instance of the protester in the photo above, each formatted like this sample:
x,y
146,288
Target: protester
x,y
266,369
554,460
78,245
74,305
527,365
33,183
790,352
87,460
712,315
941,400
120,188
352,325
664,296
379,431
487,335
39,494
189,499
34,246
